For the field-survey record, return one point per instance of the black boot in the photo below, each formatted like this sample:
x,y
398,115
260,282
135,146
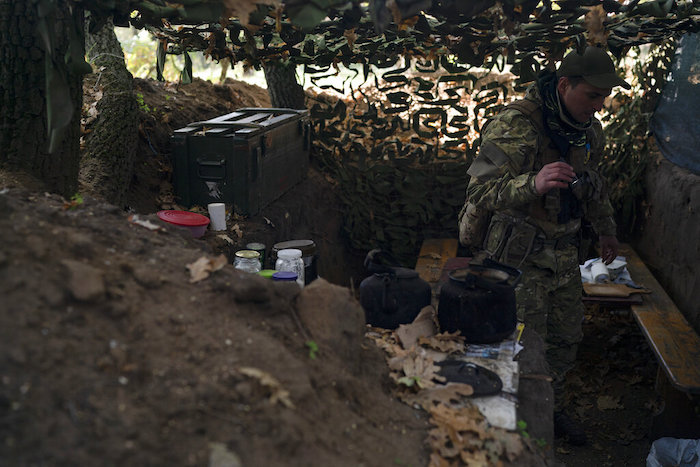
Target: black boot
x,y
569,429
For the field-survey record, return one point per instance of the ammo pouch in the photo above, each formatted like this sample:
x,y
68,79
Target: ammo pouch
x,y
510,239
473,224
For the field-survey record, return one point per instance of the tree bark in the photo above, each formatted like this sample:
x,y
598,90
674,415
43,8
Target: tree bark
x,y
110,150
282,85
24,141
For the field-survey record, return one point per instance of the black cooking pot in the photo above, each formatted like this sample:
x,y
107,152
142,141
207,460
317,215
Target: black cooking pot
x,y
392,295
479,301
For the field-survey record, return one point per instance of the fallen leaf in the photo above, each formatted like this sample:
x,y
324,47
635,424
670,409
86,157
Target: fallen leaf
x,y
237,230
444,342
422,326
447,395
200,269
632,379
226,238
134,219
608,403
279,394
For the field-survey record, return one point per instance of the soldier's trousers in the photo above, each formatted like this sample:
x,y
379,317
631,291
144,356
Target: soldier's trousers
x,y
549,301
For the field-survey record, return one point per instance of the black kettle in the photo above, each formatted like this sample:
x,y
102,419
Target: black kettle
x,y
479,301
392,295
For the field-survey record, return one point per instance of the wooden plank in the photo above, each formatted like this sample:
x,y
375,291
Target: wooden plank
x,y
674,342
434,253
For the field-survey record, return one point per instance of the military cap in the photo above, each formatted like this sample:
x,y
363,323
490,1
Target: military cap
x,y
595,66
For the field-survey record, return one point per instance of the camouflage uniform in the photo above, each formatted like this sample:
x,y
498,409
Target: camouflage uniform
x,y
524,230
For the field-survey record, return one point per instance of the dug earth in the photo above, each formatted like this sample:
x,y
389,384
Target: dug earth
x,y
111,355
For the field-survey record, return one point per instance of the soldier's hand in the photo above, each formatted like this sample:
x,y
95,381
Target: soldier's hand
x,y
554,175
608,248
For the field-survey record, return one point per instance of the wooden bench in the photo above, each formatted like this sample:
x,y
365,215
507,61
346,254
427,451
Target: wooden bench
x,y
676,346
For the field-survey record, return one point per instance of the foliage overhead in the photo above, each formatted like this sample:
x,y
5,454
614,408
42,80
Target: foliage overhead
x,y
322,33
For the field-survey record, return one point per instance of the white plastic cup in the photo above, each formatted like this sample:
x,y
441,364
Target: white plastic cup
x,y
600,272
217,215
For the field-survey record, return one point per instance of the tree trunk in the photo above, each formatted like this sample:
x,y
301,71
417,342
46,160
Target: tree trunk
x,y
282,85
108,162
24,142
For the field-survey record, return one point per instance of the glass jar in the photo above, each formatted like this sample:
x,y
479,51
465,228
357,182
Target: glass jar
x,y
247,260
308,254
290,260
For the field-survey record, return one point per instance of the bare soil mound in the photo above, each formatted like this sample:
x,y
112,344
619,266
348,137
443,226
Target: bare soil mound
x,y
110,355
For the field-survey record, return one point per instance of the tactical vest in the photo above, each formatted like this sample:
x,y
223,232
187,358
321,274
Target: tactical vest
x,y
544,210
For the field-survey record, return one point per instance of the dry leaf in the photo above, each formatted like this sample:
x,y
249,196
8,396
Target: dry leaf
x,y
237,230
632,379
594,22
608,403
445,395
461,419
513,446
422,326
438,461
226,238
279,394
200,269
134,219
444,342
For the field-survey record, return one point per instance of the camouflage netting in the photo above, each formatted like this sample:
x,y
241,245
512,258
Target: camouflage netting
x,y
400,143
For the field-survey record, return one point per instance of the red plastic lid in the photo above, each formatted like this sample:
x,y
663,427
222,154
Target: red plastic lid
x,y
186,218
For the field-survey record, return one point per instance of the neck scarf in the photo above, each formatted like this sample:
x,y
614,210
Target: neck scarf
x,y
562,128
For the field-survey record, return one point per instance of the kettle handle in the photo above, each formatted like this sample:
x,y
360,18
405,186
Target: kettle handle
x,y
379,261
514,273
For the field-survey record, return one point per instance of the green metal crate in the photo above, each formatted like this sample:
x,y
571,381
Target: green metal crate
x,y
247,158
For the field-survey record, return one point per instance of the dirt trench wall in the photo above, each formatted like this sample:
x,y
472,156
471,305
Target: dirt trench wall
x,y
669,240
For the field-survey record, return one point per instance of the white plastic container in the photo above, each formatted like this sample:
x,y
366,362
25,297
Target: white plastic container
x,y
290,260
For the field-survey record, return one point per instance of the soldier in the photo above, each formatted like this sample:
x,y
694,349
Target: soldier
x,y
536,174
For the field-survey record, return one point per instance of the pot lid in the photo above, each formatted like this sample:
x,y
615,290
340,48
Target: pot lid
x,y
186,218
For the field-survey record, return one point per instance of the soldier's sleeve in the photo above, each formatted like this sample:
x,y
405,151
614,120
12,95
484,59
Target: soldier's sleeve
x,y
599,210
501,176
